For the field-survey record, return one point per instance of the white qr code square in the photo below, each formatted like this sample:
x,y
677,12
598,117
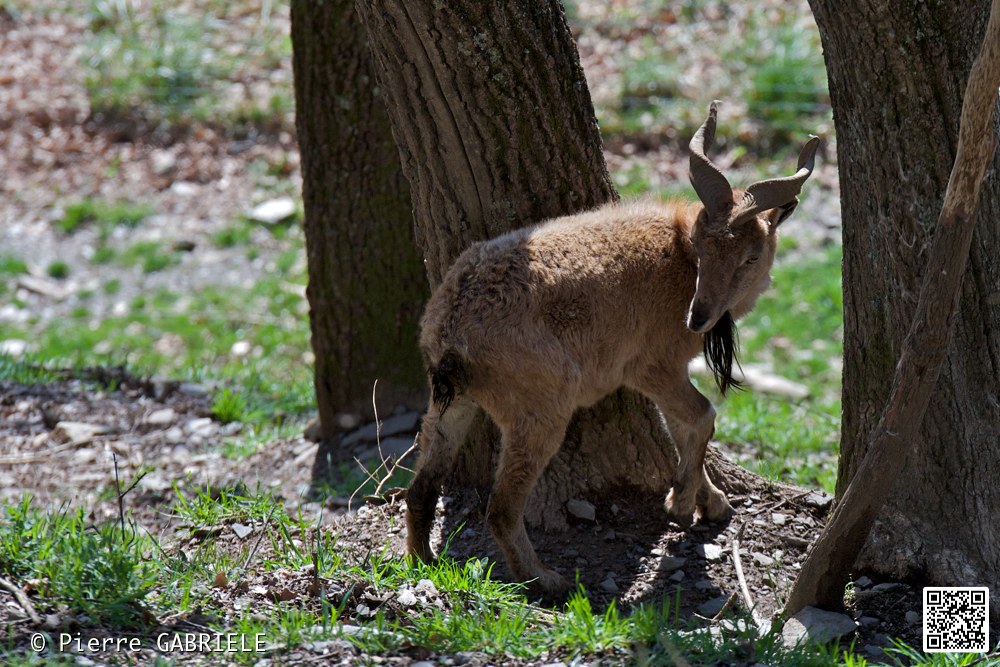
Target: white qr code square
x,y
956,618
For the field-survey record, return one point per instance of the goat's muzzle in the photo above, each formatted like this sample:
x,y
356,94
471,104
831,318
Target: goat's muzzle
x,y
699,319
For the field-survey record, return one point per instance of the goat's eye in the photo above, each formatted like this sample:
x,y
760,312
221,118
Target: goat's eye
x,y
752,260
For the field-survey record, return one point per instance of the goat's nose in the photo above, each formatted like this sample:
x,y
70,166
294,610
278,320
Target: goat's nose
x,y
697,321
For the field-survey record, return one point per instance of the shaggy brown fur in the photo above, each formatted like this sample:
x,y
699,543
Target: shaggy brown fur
x,y
545,319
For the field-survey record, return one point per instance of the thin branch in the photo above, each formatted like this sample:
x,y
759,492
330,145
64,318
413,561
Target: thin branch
x,y
22,600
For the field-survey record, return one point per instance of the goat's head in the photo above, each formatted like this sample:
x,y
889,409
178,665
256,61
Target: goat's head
x,y
735,235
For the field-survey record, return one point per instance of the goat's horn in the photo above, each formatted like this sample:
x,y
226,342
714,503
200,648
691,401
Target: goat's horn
x,y
775,192
711,185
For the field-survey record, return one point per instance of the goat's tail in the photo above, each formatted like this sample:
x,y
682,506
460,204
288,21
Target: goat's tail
x,y
448,379
721,344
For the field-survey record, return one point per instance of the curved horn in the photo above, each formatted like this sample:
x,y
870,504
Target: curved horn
x,y
774,192
707,179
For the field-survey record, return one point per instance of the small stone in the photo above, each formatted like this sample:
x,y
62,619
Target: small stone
x,y
347,421
581,509
817,626
874,651
819,499
709,551
762,559
891,587
43,287
863,582
406,598
388,447
779,519
609,585
183,188
869,622
677,576
913,618
78,433
13,347
241,530
426,587
273,211
163,161
202,426
704,585
712,607
670,563
192,389
240,348
795,541
609,536
161,417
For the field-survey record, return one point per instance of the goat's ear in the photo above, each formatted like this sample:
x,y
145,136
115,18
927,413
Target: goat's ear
x,y
780,214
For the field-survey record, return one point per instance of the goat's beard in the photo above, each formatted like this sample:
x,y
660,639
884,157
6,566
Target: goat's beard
x,y
721,343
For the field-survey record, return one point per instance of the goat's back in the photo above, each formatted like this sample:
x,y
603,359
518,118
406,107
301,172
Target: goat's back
x,y
600,286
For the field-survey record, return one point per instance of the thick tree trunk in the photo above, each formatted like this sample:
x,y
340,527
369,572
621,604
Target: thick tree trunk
x,y
897,117
366,277
495,126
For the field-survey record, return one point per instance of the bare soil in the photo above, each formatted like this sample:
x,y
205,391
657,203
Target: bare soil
x,y
628,555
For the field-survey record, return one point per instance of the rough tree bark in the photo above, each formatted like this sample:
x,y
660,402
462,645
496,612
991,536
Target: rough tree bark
x,y
366,277
496,130
897,118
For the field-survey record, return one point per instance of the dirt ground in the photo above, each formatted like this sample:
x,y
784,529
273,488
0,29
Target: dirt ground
x,y
628,554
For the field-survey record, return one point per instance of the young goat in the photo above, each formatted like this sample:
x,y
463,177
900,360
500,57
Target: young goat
x,y
548,318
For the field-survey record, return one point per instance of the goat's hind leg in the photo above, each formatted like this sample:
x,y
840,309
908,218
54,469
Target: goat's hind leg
x,y
528,446
441,436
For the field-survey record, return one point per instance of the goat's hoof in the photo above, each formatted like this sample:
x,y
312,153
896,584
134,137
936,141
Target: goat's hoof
x,y
718,512
420,553
551,584
713,505
683,517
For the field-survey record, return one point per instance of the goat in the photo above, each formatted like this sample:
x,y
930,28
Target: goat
x,y
544,319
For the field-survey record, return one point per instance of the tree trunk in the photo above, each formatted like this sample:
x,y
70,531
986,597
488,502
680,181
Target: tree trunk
x,y
366,277
496,130
897,116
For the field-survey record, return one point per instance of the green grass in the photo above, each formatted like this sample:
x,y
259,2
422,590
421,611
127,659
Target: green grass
x,y
104,214
25,370
11,265
207,507
192,336
93,570
771,77
177,64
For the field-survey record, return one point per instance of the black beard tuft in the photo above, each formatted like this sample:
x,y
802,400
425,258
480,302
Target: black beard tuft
x,y
721,343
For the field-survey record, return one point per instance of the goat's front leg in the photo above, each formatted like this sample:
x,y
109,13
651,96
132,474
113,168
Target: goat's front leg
x,y
528,446
690,419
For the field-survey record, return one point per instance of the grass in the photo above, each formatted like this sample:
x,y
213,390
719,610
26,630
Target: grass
x,y
104,214
81,568
767,66
92,570
192,336
179,64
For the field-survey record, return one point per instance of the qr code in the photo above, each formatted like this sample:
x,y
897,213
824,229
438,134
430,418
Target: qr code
x,y
956,619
